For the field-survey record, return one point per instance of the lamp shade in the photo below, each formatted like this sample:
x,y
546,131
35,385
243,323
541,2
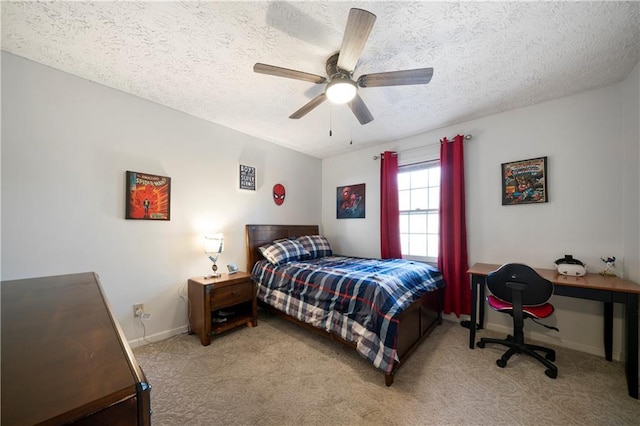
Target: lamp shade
x,y
341,90
213,244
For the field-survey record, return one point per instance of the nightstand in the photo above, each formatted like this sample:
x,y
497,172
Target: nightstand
x,y
220,304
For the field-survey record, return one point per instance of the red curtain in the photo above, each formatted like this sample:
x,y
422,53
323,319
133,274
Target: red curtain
x,y
452,259
389,207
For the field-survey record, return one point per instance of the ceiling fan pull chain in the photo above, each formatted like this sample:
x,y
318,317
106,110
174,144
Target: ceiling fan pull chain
x,y
330,120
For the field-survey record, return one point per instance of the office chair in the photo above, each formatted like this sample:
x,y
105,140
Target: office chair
x,y
518,290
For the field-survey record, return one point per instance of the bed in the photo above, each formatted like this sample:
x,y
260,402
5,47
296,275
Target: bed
x,y
330,294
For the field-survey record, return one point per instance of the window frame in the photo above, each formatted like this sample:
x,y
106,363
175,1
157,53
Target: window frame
x,y
422,165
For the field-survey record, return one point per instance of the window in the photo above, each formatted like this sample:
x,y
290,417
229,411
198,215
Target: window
x,y
419,200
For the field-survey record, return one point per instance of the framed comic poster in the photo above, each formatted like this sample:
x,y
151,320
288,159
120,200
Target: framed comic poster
x,y
148,197
350,201
247,177
525,182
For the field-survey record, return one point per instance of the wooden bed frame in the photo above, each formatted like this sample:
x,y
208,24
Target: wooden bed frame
x,y
415,323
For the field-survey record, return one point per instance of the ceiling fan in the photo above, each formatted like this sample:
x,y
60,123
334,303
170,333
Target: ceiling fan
x,y
340,85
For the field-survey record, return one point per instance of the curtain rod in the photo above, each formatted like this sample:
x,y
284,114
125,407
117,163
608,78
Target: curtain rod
x,y
466,137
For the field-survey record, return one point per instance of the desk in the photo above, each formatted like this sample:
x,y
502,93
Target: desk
x,y
609,290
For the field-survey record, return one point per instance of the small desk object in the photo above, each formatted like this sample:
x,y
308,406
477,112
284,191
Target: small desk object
x,y
220,304
65,358
605,289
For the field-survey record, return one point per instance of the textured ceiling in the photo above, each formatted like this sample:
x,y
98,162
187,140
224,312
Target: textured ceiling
x,y
198,57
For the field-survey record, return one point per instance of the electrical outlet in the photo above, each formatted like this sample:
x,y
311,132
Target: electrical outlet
x,y
138,309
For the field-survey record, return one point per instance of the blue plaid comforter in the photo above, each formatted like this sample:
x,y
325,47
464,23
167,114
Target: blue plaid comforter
x,y
355,298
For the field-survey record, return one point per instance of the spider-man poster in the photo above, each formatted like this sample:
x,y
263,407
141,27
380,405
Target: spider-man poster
x,y
148,196
350,201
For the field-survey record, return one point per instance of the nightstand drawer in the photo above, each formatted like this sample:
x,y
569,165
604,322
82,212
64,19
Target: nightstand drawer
x,y
231,295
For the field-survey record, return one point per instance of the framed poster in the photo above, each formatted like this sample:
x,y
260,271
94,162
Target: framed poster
x,y
524,182
350,201
148,197
247,177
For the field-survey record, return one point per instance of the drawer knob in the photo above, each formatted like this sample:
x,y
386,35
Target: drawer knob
x,y
234,293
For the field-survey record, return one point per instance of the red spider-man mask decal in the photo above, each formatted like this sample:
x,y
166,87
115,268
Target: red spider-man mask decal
x,y
278,194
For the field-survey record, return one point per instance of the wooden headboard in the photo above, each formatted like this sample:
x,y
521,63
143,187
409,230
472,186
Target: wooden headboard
x,y
259,235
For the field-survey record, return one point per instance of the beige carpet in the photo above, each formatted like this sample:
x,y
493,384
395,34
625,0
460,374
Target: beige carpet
x,y
280,374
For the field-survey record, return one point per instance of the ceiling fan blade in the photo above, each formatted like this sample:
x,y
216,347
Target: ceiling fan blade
x,y
396,78
356,34
286,72
309,106
360,110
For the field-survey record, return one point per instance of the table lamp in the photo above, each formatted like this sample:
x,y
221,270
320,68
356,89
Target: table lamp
x,y
213,246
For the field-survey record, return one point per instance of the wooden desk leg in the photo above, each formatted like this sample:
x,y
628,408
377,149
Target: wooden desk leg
x,y
631,332
474,308
477,286
481,305
608,330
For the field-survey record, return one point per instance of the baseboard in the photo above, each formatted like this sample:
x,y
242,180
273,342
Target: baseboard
x,y
157,337
593,350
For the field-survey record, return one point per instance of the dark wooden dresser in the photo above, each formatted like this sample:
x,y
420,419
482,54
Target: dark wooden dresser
x,y
65,358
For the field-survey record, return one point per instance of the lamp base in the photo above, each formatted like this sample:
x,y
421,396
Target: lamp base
x,y
215,273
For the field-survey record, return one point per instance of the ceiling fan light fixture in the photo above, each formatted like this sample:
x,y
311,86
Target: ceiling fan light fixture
x,y
341,90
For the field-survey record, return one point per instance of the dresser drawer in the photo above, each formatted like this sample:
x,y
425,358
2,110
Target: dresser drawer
x,y
231,295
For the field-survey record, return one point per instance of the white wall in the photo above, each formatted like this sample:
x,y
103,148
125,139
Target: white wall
x,y
592,150
66,144
630,106
631,174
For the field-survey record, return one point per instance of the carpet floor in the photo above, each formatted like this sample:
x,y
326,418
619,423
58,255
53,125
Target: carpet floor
x,y
280,374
